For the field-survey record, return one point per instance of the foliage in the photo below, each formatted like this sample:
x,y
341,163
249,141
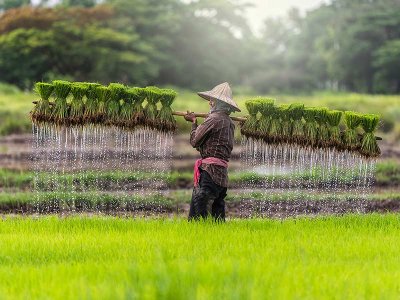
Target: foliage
x,y
78,43
341,45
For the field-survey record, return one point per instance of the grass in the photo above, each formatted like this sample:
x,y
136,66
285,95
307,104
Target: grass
x,y
350,257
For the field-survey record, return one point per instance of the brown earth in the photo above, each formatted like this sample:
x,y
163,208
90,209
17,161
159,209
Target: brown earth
x,y
236,209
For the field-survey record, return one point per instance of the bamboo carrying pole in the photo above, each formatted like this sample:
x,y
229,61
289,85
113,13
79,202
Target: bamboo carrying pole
x,y
182,114
203,115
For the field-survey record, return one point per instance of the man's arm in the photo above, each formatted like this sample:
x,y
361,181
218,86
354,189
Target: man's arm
x,y
199,132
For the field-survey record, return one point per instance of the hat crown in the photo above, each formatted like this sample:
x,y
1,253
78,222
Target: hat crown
x,y
222,92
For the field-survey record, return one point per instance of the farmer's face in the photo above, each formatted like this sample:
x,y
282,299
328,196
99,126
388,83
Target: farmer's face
x,y
212,103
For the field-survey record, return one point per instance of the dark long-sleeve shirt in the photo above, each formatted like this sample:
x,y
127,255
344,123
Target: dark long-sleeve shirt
x,y
214,138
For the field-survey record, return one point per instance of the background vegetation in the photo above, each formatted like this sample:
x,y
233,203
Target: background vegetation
x,y
343,45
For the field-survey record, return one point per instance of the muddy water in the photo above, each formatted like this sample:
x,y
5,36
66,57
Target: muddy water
x,y
91,151
84,152
304,170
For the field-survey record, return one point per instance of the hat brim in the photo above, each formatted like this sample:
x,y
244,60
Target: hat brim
x,y
208,97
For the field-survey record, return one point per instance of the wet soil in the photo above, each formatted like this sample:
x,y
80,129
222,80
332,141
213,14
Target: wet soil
x,y
236,209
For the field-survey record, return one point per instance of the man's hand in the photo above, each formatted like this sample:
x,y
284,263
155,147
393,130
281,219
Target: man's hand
x,y
190,117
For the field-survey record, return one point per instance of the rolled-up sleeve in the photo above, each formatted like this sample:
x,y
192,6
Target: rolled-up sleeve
x,y
200,132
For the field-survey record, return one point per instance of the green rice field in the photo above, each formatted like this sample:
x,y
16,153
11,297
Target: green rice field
x,y
113,258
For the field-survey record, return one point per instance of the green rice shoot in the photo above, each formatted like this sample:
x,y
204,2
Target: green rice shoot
x,y
153,96
113,108
284,116
42,110
249,127
334,117
350,138
296,112
167,121
78,91
103,94
321,117
264,123
91,105
310,126
62,89
369,146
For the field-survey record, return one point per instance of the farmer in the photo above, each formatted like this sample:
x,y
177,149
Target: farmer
x,y
214,140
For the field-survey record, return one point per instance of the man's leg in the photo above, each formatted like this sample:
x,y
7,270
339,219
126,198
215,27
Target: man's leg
x,y
205,193
218,207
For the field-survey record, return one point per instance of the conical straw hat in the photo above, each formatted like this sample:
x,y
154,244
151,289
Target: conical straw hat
x,y
221,92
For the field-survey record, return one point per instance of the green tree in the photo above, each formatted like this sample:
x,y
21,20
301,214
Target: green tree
x,y
387,63
84,3
81,47
8,4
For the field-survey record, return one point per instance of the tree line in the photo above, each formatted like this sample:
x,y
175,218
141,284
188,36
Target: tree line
x,y
351,45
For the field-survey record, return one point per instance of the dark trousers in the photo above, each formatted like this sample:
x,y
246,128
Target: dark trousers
x,y
204,194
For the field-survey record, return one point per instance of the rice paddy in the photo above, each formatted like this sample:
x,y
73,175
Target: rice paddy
x,y
106,149
349,257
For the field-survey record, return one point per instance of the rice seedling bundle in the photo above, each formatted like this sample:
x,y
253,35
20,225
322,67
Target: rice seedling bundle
x,y
78,91
91,105
113,108
264,122
275,132
153,96
310,126
138,96
103,94
167,121
323,130
249,127
61,110
126,110
42,110
296,111
284,114
334,117
369,146
350,138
